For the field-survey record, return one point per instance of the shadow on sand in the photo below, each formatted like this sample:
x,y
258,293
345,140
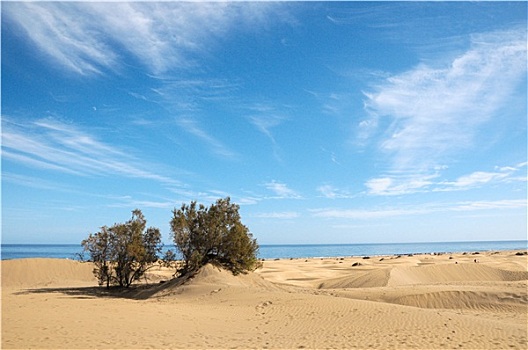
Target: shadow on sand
x,y
134,292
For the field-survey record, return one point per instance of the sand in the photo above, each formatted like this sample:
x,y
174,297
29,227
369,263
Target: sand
x,y
444,301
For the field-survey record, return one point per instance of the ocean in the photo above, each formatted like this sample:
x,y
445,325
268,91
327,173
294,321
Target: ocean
x,y
70,251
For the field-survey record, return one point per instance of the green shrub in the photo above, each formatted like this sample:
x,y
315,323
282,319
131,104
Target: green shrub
x,y
123,253
213,235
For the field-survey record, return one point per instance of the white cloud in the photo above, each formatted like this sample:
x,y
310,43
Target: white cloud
x,y
168,39
33,182
281,190
186,194
406,184
277,215
265,121
483,205
33,162
52,145
331,192
64,33
426,208
397,185
246,200
478,178
379,185
192,127
481,178
332,155
186,97
434,112
143,204
362,214
182,95
327,191
88,37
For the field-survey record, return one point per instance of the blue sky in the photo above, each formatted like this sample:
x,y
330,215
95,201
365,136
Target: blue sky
x,y
342,122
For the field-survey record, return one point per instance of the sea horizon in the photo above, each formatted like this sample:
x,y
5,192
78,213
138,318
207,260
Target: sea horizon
x,y
283,251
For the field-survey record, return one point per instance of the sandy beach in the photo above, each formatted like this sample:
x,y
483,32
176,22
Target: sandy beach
x,y
447,301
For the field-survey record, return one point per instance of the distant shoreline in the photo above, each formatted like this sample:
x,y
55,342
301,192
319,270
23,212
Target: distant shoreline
x,y
519,251
303,244
293,251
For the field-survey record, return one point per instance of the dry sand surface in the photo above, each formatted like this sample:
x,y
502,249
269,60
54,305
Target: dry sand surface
x,y
423,301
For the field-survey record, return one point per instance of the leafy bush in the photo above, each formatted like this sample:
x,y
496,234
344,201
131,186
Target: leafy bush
x,y
123,253
213,235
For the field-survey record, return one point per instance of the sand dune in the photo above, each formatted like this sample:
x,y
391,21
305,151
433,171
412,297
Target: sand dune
x,y
455,299
419,301
452,273
367,279
398,276
45,272
210,275
209,279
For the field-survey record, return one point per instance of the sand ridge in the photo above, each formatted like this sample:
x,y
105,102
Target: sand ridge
x,y
41,272
421,301
208,280
452,273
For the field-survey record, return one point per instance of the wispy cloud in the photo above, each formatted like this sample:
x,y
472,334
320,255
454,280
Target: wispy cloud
x,y
186,98
39,183
244,200
398,185
481,178
277,215
266,117
281,190
483,205
52,145
186,95
331,192
364,214
169,40
334,103
192,127
430,112
33,182
332,155
129,202
65,33
477,178
90,37
187,194
414,183
265,123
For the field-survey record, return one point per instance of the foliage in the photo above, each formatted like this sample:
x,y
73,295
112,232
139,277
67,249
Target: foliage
x,y
123,253
168,259
99,246
214,234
